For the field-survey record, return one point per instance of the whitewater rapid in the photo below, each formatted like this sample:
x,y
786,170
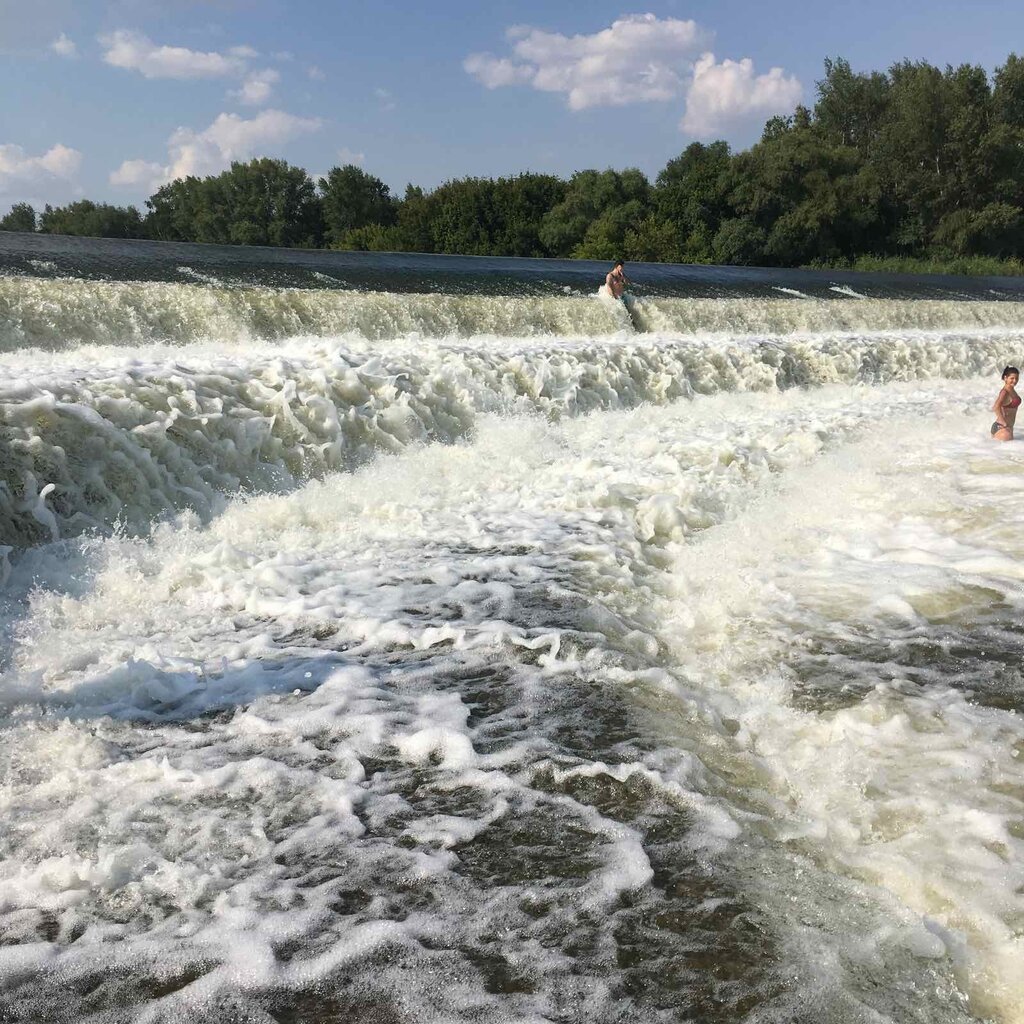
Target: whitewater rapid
x,y
96,440
54,313
581,677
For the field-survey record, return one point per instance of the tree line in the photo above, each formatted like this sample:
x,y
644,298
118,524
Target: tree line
x,y
916,162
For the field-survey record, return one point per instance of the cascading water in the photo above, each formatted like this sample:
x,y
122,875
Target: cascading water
x,y
379,655
56,314
126,441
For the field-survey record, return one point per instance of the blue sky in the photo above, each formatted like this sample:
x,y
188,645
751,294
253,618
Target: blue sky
x,y
107,99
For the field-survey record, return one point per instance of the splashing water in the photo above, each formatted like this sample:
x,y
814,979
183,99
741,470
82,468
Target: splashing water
x,y
590,677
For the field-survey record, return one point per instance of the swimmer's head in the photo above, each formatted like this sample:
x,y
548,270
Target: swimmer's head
x,y
1011,371
617,264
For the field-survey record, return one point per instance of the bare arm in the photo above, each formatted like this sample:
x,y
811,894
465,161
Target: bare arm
x,y
997,408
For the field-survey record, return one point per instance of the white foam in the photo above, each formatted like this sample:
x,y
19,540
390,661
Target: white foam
x,y
845,289
674,558
198,275
911,790
128,440
64,313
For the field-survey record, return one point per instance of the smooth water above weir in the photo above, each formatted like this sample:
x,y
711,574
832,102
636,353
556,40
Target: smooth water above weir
x,y
376,652
109,259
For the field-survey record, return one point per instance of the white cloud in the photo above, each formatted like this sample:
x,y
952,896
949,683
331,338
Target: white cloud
x,y
384,98
640,58
61,161
64,47
137,172
136,52
257,87
349,156
46,177
58,162
210,151
315,73
730,91
495,72
243,51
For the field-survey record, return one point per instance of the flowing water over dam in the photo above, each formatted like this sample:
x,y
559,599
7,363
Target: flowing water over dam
x,y
405,639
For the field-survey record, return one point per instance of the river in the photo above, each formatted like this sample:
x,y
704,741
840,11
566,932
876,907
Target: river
x,y
399,639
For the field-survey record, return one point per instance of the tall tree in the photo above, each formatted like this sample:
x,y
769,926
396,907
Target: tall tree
x,y
269,202
808,198
1008,92
851,106
910,155
262,202
181,211
462,216
519,207
588,222
413,232
691,194
96,220
22,217
353,199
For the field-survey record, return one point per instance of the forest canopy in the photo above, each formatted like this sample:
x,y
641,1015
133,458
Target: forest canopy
x,y
916,162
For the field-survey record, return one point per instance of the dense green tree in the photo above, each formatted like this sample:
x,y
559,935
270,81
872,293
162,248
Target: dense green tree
x,y
462,216
911,153
851,107
519,207
22,217
691,194
587,221
96,220
353,199
995,230
180,211
775,127
969,170
812,200
371,238
606,236
1008,92
414,229
269,202
262,202
479,216
653,241
739,242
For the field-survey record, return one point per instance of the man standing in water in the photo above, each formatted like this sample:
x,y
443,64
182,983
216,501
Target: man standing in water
x,y
615,280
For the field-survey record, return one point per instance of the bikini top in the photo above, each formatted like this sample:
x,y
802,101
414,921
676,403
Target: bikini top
x,y
1012,403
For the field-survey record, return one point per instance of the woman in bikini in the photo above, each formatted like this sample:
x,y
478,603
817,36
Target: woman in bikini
x,y
1005,406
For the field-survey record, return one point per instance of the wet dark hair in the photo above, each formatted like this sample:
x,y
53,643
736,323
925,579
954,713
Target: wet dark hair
x,y
617,263
1007,370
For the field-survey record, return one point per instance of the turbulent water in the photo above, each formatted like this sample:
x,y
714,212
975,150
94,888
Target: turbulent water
x,y
489,653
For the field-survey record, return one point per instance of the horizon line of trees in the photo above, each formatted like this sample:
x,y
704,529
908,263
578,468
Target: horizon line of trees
x,y
917,161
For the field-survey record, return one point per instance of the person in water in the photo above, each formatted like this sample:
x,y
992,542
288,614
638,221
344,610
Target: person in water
x,y
1005,406
615,280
